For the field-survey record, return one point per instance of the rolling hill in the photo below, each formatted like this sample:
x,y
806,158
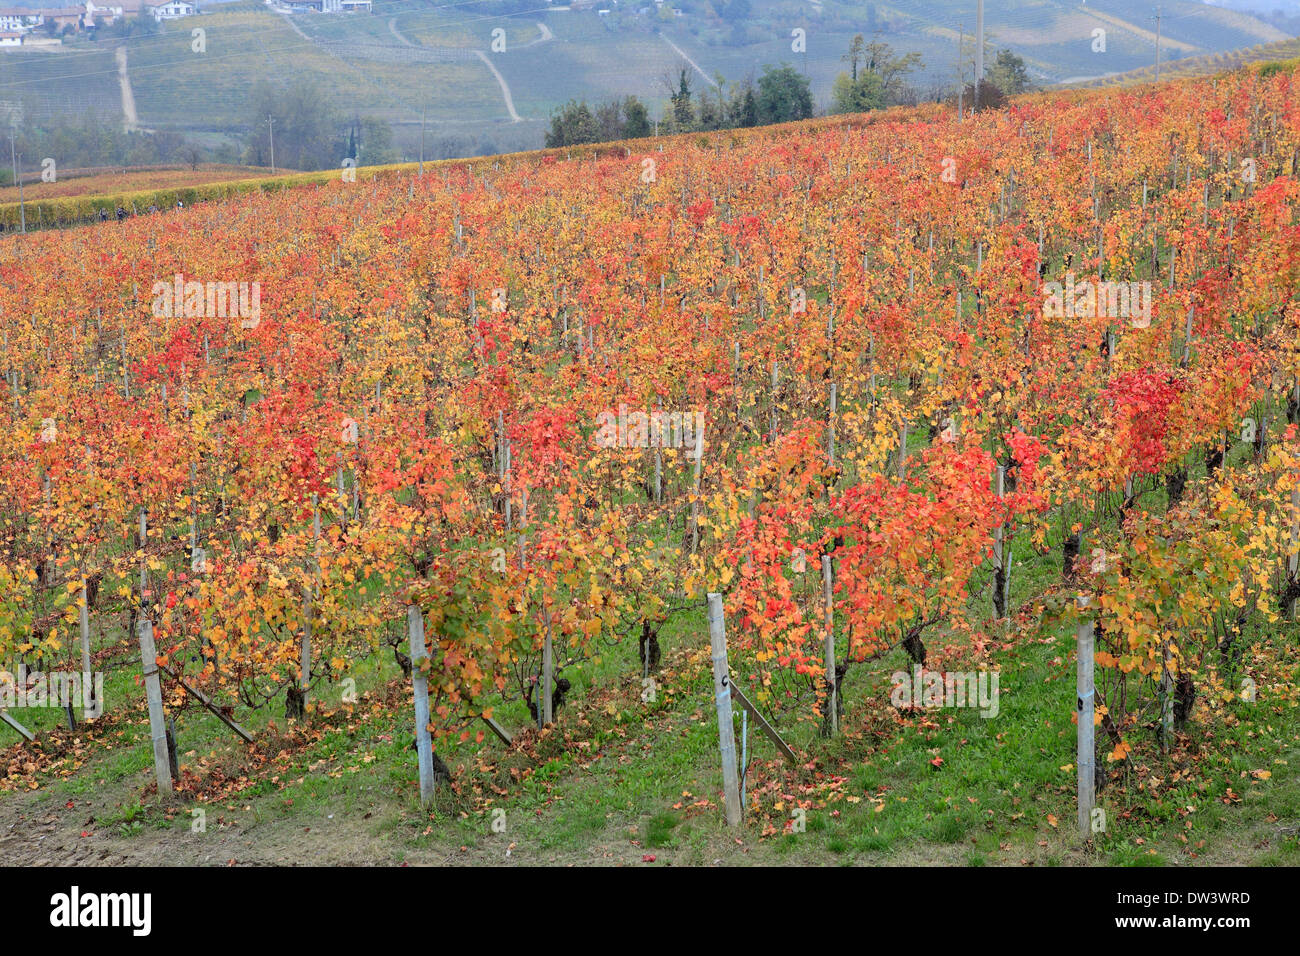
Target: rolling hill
x,y
414,59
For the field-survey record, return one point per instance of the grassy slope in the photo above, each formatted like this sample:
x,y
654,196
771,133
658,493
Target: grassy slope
x,y
128,180
590,57
1208,64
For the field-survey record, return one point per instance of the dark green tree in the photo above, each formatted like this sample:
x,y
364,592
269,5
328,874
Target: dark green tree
x,y
783,95
376,147
636,119
742,109
572,125
683,112
303,124
891,69
857,54
1008,73
862,95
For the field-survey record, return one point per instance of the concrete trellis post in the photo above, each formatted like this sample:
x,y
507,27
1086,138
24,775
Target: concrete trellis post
x,y
194,516
695,502
144,561
84,621
828,596
153,694
15,725
659,475
736,375
420,685
548,676
304,657
1293,562
722,697
1166,699
505,485
776,368
1086,757
1002,575
830,428
523,523
342,492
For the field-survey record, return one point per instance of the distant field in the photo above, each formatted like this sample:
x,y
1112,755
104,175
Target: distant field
x,y
131,180
425,59
1208,64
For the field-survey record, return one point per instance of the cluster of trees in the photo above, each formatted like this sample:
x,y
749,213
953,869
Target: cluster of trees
x,y
877,78
1005,76
94,141
781,94
137,26
578,123
307,133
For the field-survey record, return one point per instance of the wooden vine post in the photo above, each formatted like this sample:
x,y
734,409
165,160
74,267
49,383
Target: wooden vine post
x,y
722,698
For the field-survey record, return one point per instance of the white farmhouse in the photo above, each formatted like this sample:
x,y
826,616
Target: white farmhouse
x,y
98,14
313,6
172,10
14,20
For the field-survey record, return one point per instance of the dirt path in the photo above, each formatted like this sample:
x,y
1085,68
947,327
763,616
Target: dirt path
x,y
392,28
546,35
682,53
37,830
505,89
128,97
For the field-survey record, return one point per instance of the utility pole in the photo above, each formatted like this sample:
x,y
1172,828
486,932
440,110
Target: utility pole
x,y
1157,19
270,125
13,158
422,112
979,50
961,71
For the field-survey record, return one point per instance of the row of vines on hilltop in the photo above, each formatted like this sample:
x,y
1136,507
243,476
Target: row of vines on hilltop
x,y
436,393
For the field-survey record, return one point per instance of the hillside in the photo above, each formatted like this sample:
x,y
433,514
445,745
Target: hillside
x,y
363,508
414,58
1205,64
105,182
